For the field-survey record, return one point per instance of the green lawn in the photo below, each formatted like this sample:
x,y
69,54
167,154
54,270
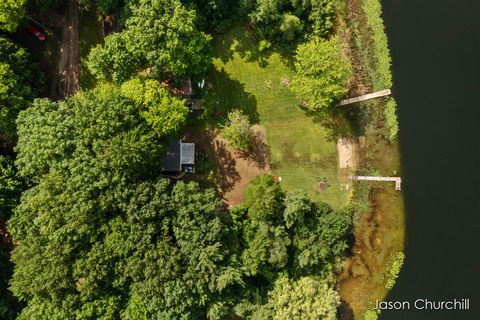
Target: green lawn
x,y
300,151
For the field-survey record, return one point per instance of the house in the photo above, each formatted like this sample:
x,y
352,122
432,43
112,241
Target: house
x,y
180,157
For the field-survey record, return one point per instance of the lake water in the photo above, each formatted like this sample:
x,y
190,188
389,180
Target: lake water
x,y
435,46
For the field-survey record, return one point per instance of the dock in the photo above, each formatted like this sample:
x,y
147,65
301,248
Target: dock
x,y
397,180
378,94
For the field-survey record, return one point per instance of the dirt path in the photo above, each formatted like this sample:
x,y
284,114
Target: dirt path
x,y
69,62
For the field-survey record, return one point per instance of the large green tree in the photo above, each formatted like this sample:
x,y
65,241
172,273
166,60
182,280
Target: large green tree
x,y
164,113
322,73
15,80
159,34
11,13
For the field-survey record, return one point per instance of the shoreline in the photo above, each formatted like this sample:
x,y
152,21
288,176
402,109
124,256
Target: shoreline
x,y
380,223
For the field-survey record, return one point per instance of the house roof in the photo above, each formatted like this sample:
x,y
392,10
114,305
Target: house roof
x,y
187,153
171,160
178,154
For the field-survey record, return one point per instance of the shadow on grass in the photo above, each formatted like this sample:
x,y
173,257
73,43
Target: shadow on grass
x,y
335,121
258,152
241,40
224,95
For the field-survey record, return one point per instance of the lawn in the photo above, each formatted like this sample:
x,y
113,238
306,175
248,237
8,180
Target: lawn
x,y
257,83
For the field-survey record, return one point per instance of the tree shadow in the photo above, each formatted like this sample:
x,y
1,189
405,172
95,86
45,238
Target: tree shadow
x,y
241,40
225,94
336,123
259,151
216,166
227,175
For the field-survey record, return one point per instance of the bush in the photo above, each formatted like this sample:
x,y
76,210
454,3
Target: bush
x,y
393,269
391,121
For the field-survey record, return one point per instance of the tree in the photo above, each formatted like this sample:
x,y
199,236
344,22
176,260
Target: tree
x,y
11,186
164,113
217,14
287,22
114,61
264,198
103,6
9,306
322,73
99,125
297,205
290,26
304,299
159,34
320,240
266,249
11,12
237,130
15,78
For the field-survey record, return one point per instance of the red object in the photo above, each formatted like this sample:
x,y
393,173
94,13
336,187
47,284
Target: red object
x,y
40,36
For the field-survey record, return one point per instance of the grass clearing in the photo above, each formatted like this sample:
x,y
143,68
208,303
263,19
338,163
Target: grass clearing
x,y
300,150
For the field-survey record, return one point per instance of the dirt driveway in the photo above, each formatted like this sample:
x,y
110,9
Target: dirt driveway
x,y
69,61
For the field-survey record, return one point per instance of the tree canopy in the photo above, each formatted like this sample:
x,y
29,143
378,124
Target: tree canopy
x,y
99,235
303,299
15,78
11,13
163,112
11,186
288,21
288,243
237,130
159,34
322,73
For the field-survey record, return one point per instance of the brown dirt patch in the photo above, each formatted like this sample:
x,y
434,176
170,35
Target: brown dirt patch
x,y
348,153
231,171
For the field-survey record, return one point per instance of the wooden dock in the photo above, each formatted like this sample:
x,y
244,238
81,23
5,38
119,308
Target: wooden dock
x,y
365,97
397,180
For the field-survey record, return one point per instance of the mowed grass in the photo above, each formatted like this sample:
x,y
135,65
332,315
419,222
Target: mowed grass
x,y
300,150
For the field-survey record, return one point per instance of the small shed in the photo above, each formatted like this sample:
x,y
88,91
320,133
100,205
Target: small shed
x,y
180,157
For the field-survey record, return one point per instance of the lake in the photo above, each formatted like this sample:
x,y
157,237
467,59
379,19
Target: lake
x,y
435,47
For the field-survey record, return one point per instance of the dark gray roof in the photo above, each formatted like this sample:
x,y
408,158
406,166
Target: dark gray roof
x,y
187,153
178,154
171,160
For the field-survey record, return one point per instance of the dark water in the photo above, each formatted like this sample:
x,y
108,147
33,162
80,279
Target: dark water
x,y
435,46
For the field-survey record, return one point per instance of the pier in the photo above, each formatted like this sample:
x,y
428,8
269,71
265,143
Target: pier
x,y
397,180
365,97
